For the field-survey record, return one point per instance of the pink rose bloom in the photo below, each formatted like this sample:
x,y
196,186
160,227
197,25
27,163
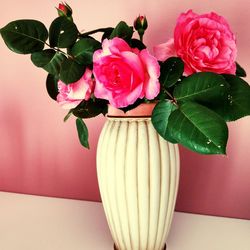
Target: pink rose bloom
x,y
124,74
72,94
204,42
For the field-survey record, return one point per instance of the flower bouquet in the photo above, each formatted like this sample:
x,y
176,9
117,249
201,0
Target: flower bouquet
x,y
193,78
192,84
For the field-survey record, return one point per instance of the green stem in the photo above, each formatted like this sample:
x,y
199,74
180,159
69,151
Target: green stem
x,y
94,31
141,34
172,98
141,37
57,49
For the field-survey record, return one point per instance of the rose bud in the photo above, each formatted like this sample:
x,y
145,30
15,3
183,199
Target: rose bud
x,y
141,24
64,10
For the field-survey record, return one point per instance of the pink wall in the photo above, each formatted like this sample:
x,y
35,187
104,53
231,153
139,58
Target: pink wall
x,y
40,154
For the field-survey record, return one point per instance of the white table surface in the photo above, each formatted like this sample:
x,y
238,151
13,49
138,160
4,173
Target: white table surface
x,y
40,223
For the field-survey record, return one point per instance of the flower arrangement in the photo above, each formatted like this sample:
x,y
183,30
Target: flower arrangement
x,y
193,78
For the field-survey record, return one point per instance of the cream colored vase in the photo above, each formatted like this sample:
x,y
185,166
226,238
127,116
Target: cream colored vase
x,y
138,174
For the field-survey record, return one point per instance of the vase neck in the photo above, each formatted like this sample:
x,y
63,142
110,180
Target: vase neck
x,y
144,110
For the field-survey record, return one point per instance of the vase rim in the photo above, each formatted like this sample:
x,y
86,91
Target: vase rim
x,y
143,110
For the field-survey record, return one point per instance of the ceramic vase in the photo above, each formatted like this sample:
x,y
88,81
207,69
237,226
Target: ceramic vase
x,y
138,174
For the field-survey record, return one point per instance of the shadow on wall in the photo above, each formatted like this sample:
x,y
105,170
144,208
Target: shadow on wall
x,y
215,184
11,144
36,158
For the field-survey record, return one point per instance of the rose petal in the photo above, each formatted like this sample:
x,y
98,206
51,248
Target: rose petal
x,y
134,62
72,94
127,98
151,86
165,50
100,91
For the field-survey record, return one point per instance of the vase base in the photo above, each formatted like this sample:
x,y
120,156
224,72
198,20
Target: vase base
x,y
164,248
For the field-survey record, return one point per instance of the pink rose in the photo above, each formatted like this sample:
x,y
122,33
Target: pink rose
x,y
124,74
204,42
72,94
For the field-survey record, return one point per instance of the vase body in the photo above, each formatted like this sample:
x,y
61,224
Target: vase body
x,y
138,174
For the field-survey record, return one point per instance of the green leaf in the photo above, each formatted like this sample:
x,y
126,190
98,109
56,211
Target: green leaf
x,y
160,116
71,71
199,129
237,102
83,134
201,87
25,36
83,50
51,86
240,71
62,33
171,71
123,31
91,108
49,60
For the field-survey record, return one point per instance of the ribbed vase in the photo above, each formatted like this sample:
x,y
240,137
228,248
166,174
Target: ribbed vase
x,y
138,174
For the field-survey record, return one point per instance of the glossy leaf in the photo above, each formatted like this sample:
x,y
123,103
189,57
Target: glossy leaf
x,y
83,50
199,129
25,36
71,71
171,71
62,33
240,71
49,60
123,31
237,102
83,134
51,86
160,116
91,108
201,87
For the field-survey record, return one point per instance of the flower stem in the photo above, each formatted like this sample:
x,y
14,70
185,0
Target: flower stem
x,y
57,49
172,97
167,93
94,31
141,37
